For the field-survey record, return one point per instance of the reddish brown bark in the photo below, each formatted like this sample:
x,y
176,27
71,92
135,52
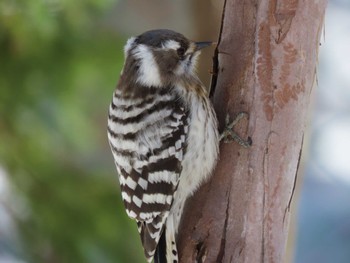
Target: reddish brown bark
x,y
267,57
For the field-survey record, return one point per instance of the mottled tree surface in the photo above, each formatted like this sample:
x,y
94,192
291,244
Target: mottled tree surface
x,y
266,66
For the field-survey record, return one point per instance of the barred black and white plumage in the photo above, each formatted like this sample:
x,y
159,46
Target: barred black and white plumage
x,y
162,130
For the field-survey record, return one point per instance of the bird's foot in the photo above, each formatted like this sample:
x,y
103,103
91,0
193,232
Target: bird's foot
x,y
229,135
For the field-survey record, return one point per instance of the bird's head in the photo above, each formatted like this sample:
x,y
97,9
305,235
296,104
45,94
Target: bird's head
x,y
159,57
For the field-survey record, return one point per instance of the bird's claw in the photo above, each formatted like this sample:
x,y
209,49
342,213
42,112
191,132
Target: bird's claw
x,y
229,135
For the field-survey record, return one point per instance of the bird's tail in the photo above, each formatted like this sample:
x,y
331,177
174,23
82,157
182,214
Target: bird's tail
x,y
166,250
150,234
160,255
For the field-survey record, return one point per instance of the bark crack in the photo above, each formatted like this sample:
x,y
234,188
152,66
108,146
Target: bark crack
x,y
215,70
262,232
295,179
224,230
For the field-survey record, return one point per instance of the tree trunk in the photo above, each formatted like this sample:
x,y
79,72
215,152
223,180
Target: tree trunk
x,y
266,66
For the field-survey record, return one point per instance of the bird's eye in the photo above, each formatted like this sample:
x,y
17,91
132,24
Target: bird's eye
x,y
181,52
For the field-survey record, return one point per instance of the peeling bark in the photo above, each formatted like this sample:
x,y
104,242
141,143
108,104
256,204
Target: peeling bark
x,y
265,65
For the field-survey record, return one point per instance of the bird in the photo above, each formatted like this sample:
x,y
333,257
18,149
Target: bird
x,y
163,134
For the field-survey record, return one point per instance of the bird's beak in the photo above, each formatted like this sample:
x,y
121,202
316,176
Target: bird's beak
x,y
200,45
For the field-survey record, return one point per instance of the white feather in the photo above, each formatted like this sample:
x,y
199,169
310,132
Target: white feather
x,y
137,201
179,155
163,176
171,241
155,198
122,144
122,162
143,183
148,217
120,113
131,213
130,183
171,44
126,197
137,126
128,45
124,102
148,72
202,144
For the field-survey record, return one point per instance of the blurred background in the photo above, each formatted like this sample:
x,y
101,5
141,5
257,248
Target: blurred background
x,y
59,195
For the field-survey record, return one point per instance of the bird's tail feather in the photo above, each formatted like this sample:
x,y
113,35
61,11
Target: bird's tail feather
x,y
160,255
166,250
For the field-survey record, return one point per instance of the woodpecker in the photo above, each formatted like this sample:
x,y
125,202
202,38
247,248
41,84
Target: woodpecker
x,y
163,133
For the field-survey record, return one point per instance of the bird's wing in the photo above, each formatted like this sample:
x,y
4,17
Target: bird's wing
x,y
148,190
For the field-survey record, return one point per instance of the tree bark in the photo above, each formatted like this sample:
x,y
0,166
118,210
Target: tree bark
x,y
265,65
